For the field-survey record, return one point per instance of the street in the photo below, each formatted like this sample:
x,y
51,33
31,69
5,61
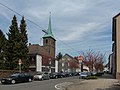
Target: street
x,y
39,85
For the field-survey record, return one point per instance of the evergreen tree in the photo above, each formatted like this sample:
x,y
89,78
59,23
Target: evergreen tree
x,y
59,56
24,42
12,47
2,48
16,45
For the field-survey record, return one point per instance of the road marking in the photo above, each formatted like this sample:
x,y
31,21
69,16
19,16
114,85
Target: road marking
x,y
61,86
57,87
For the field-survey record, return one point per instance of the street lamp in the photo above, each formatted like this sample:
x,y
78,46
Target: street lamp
x,y
20,62
63,65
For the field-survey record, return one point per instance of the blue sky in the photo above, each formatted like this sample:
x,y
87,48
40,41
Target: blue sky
x,y
78,25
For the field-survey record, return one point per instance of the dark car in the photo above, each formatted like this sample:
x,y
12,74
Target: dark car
x,y
68,74
56,75
17,78
63,74
99,73
76,73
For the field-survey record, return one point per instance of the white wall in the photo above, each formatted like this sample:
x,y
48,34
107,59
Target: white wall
x,y
56,66
38,63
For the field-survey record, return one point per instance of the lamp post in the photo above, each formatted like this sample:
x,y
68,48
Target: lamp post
x,y
80,58
63,65
20,62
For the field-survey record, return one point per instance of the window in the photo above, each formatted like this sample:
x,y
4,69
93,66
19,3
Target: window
x,y
46,41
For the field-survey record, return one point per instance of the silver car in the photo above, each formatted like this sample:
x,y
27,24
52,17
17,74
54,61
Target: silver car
x,y
41,76
83,75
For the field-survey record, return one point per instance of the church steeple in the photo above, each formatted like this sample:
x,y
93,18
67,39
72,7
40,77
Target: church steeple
x,y
49,30
49,40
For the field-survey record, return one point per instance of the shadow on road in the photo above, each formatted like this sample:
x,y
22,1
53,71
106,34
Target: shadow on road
x,y
110,88
107,76
113,87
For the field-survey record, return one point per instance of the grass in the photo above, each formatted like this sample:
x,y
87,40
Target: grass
x,y
91,77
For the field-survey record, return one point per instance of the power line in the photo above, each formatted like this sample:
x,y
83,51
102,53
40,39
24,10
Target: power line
x,y
71,46
35,24
20,15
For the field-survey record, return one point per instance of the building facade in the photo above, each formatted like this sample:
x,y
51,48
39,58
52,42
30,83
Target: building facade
x,y
68,64
116,45
42,58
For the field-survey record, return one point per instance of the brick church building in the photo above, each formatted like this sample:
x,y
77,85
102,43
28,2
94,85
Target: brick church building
x,y
42,58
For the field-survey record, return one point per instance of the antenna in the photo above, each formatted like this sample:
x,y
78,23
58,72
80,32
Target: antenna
x,y
45,31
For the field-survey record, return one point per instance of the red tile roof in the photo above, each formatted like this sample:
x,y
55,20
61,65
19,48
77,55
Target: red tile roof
x,y
37,49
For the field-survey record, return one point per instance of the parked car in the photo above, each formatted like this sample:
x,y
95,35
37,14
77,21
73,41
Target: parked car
x,y
56,75
83,75
17,78
41,76
67,74
0,80
76,73
71,73
94,73
99,73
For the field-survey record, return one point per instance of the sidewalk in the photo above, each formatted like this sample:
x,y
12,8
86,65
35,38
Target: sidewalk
x,y
106,82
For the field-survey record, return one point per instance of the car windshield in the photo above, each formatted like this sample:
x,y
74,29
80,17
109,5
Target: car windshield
x,y
84,73
53,73
40,73
14,75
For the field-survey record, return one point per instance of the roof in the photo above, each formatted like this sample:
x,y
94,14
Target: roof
x,y
116,16
70,58
49,30
37,49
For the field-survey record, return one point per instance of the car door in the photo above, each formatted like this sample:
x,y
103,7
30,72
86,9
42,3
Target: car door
x,y
22,77
19,78
25,77
46,75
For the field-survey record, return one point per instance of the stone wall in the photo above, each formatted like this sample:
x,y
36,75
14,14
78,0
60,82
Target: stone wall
x,y
6,73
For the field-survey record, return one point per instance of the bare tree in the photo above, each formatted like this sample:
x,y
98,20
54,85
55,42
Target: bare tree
x,y
94,60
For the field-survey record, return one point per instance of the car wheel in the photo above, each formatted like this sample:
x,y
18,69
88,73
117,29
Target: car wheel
x,y
56,77
41,79
48,78
30,80
13,81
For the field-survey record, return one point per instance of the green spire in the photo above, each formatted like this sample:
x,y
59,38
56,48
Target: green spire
x,y
49,30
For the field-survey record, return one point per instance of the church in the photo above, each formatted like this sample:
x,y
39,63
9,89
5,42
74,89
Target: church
x,y
42,58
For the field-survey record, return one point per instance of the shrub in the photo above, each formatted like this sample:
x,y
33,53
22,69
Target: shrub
x,y
91,77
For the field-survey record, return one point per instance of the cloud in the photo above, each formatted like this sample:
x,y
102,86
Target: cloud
x,y
77,32
81,24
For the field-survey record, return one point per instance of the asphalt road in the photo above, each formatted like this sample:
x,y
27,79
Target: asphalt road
x,y
40,85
